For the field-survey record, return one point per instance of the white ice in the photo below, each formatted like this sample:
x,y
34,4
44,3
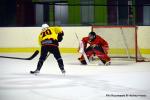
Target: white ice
x,y
122,80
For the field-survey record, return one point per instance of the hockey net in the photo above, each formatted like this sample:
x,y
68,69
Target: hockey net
x,y
122,41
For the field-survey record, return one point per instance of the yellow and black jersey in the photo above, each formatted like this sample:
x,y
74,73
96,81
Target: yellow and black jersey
x,y
51,36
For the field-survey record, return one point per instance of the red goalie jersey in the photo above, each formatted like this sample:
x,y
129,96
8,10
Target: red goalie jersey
x,y
98,41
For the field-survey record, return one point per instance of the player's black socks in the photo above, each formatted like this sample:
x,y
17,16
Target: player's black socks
x,y
40,63
60,64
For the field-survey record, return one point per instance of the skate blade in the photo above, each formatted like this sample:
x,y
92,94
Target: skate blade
x,y
34,73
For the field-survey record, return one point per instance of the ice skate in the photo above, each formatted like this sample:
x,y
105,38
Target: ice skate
x,y
63,71
35,72
82,61
107,63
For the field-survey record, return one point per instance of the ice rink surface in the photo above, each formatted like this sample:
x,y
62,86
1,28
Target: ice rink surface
x,y
122,80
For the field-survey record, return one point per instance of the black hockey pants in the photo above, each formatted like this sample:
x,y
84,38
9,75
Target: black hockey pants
x,y
50,49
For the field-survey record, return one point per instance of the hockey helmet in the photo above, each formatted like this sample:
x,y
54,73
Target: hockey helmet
x,y
92,35
44,26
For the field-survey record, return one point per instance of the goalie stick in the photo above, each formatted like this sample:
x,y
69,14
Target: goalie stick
x,y
82,50
29,58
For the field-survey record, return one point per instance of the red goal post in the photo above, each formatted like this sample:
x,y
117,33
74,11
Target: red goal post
x,y
122,41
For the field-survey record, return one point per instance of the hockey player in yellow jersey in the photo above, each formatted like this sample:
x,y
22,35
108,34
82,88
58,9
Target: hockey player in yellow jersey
x,y
50,34
49,39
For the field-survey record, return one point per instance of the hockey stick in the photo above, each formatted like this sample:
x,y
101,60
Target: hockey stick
x,y
29,58
82,51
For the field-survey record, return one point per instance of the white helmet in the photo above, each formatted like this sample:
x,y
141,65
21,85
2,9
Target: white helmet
x,y
45,26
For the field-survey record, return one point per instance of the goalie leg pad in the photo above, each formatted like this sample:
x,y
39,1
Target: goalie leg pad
x,y
102,56
88,54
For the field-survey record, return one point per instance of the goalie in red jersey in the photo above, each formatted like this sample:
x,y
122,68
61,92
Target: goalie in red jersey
x,y
97,46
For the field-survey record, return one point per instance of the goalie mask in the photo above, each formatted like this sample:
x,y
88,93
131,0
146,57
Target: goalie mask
x,y
92,36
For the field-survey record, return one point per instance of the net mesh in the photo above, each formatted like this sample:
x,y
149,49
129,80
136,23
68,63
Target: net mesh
x,y
122,41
